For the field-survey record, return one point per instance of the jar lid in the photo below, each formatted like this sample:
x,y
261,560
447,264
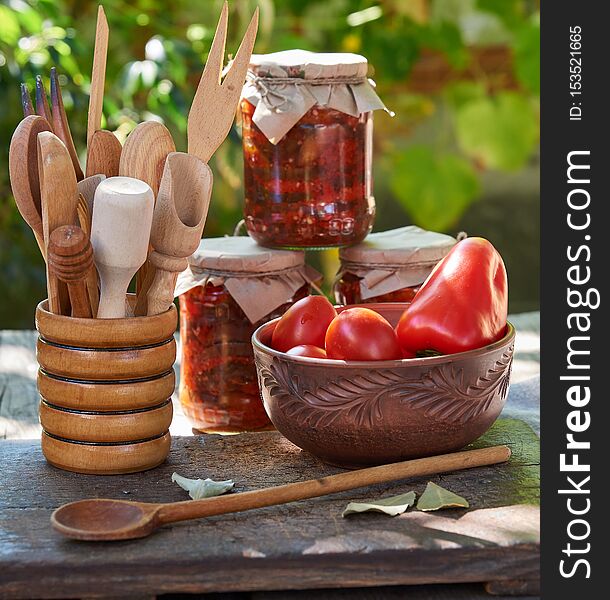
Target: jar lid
x,y
404,246
309,65
283,86
241,254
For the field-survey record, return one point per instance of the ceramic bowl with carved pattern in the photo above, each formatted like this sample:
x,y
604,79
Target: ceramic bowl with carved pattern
x,y
356,413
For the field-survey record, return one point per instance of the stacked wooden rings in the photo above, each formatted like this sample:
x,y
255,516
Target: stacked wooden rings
x,y
105,390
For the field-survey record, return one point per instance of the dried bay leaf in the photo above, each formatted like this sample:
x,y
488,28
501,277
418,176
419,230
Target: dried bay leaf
x,y
435,497
202,488
389,506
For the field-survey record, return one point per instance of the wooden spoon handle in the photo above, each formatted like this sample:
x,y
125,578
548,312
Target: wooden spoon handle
x,y
182,511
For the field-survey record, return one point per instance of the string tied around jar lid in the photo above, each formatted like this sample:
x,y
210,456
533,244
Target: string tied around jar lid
x,y
265,86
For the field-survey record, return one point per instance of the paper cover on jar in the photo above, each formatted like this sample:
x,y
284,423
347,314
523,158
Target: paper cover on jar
x,y
393,260
259,279
283,86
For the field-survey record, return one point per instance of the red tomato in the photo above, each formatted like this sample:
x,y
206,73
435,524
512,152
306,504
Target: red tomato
x,y
307,350
361,334
304,323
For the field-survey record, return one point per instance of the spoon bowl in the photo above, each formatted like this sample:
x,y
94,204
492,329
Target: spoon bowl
x,y
104,519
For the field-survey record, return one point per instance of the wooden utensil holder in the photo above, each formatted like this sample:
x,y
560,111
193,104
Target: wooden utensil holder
x,y
105,390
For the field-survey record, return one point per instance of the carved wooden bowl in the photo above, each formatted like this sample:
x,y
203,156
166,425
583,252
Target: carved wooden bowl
x,y
354,414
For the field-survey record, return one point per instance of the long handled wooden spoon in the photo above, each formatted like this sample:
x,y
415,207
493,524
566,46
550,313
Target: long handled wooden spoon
x,y
180,213
59,200
104,519
23,169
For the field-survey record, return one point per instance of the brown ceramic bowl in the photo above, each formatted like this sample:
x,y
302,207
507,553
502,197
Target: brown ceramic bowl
x,y
354,414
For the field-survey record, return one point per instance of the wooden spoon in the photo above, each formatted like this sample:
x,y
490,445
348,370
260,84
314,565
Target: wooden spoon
x,y
23,170
59,200
143,157
180,213
103,154
144,153
120,232
105,519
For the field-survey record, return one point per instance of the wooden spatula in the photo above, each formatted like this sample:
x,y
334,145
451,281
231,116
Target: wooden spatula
x,y
120,232
214,105
103,147
23,170
59,199
178,220
98,77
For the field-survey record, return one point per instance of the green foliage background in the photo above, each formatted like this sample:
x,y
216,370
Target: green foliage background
x,y
461,153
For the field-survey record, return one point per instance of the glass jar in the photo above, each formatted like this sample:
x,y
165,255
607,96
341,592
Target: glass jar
x,y
223,299
389,266
308,150
347,291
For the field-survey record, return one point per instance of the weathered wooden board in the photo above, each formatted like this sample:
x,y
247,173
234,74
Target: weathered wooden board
x,y
297,546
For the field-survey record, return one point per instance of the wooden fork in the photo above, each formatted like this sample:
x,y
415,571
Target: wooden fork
x,y
55,114
215,102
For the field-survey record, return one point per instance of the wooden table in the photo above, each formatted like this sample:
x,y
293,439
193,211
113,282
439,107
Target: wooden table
x,y
306,544
303,545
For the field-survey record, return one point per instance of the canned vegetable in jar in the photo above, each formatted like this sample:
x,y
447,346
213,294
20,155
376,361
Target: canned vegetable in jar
x,y
389,266
307,129
231,286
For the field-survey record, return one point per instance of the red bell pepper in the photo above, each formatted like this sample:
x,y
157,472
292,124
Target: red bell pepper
x,y
461,306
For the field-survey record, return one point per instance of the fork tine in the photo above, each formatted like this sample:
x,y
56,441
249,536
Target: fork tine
x,y
42,104
60,120
239,66
26,101
213,66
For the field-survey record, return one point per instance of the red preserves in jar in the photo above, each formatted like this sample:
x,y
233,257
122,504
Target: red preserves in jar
x,y
389,266
307,140
231,287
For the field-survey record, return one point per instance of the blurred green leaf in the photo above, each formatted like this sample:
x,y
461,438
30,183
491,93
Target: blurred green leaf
x,y
9,26
527,57
434,188
500,132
